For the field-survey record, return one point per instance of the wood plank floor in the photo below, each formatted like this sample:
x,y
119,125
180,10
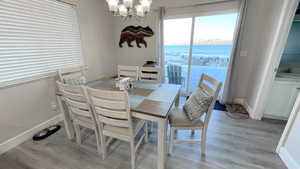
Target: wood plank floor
x,y
232,144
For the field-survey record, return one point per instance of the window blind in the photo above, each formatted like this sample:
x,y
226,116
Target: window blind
x,y
227,6
37,37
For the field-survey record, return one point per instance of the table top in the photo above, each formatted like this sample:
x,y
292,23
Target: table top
x,y
151,99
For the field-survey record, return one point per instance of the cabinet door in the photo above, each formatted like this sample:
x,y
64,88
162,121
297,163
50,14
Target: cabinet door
x,y
281,99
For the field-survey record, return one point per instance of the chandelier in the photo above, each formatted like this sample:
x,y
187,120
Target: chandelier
x,y
129,8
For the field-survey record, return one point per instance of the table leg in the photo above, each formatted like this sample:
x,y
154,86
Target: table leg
x,y
67,120
161,143
177,100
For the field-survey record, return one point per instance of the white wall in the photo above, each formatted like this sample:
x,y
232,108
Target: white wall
x,y
266,34
96,33
248,43
27,105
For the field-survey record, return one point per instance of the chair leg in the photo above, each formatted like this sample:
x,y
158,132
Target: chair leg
x,y
132,151
146,132
78,134
103,146
193,132
203,142
151,124
98,141
172,138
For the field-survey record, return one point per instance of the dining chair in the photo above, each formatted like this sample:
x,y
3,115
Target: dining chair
x,y
72,75
179,120
150,74
175,74
128,71
80,111
112,111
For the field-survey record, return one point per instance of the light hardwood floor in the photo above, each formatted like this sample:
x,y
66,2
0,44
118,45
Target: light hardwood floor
x,y
231,144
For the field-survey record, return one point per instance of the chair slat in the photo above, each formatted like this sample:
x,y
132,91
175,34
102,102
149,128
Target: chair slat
x,y
150,69
127,73
108,94
149,75
113,122
111,113
74,96
109,104
69,88
207,89
80,112
210,79
77,104
124,67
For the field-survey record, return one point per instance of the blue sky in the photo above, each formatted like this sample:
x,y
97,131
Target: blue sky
x,y
215,29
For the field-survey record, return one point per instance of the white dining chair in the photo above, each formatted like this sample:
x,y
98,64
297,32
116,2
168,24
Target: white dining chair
x,y
112,110
128,71
150,74
179,120
72,75
80,111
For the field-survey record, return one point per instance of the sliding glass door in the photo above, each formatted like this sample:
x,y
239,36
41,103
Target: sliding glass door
x,y
177,39
211,48
197,45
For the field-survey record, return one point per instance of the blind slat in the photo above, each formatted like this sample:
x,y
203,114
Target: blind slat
x,y
37,37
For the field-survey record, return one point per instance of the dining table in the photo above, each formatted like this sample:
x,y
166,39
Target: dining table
x,y
148,101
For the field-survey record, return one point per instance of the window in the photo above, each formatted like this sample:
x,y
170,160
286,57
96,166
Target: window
x,y
37,37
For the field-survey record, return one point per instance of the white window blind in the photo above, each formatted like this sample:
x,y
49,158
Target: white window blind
x,y
37,37
227,6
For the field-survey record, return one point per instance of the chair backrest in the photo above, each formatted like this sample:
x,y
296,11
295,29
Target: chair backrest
x,y
111,107
128,71
175,74
212,87
72,75
76,100
150,74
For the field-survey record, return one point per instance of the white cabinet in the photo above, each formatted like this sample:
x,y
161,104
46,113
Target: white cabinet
x,y
281,99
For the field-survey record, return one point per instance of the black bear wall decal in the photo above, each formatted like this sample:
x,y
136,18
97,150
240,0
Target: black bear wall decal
x,y
135,33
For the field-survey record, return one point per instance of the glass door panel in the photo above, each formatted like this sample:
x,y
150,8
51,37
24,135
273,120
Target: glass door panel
x,y
212,45
177,37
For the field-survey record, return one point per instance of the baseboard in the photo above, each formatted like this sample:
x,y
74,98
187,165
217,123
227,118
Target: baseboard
x,y
288,159
19,139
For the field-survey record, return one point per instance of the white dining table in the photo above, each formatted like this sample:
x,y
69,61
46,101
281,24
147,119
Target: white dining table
x,y
151,102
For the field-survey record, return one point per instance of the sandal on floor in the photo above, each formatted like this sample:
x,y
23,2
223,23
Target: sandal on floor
x,y
43,134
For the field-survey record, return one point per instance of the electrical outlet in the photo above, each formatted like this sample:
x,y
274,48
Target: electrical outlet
x,y
53,106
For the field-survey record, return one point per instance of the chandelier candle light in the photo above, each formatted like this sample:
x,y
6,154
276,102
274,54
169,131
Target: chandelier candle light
x,y
129,8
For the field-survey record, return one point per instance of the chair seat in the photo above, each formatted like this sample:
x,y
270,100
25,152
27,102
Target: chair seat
x,y
137,125
178,118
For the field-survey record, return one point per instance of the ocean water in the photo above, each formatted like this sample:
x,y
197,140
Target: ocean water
x,y
222,51
209,59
